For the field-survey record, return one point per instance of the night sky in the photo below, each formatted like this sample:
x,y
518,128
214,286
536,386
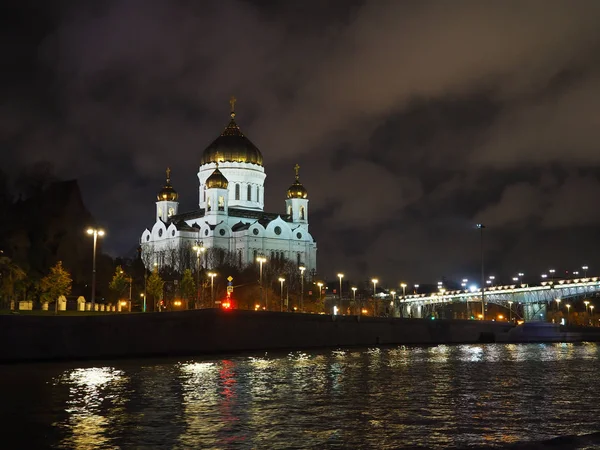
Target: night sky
x,y
411,121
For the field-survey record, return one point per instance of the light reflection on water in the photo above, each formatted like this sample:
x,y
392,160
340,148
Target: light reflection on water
x,y
437,397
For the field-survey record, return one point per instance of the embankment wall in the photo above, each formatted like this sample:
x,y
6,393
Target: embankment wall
x,y
35,338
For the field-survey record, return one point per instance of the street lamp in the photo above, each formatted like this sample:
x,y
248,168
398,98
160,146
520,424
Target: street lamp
x,y
354,297
586,303
492,278
510,310
585,269
320,289
592,313
340,276
261,259
281,280
375,281
95,232
302,269
568,310
551,272
403,286
521,275
480,226
212,276
558,304
416,288
199,249
515,279
544,276
143,301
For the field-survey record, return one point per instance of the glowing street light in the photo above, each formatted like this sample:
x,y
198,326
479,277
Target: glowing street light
x,y
557,304
199,249
481,227
586,303
416,288
96,233
281,280
375,281
302,269
340,276
510,311
354,297
261,260
568,310
585,269
320,289
143,301
212,276
520,275
544,276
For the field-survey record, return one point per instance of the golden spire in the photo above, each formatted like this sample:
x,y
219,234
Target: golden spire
x,y
232,101
297,170
168,175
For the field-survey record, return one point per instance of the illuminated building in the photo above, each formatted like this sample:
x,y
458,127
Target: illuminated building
x,y
231,212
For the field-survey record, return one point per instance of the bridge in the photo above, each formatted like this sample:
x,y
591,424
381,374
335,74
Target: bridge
x,y
532,299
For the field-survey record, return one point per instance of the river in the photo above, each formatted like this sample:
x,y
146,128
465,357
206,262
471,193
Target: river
x,y
393,397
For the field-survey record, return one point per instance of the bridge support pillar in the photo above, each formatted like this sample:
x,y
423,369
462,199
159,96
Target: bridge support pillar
x,y
534,312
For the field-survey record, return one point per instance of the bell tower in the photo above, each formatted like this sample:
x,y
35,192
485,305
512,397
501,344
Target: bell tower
x,y
296,203
167,204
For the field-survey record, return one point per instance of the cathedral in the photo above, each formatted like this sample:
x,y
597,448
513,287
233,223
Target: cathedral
x,y
230,214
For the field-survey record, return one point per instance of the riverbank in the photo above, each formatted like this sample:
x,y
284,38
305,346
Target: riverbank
x,y
52,338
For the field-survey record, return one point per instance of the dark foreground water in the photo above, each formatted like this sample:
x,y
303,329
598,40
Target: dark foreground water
x,y
437,397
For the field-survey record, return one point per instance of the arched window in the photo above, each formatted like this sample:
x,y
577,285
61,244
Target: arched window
x,y
302,213
249,193
208,205
221,203
237,191
290,210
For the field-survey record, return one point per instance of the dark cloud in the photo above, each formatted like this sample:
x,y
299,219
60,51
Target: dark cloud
x,y
411,121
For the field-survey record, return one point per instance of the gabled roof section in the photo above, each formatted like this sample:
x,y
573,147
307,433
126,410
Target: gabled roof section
x,y
196,214
240,226
257,215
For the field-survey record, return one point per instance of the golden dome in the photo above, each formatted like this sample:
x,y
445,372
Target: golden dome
x,y
232,146
167,193
217,180
296,190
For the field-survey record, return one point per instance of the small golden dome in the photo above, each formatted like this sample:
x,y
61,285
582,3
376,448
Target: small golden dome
x,y
217,180
296,190
167,193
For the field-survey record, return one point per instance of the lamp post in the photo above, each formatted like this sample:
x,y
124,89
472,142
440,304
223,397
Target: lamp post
x,y
261,259
281,280
551,272
592,315
586,303
320,285
481,227
374,281
199,248
403,286
585,269
520,275
557,304
143,295
416,288
302,269
510,311
95,232
354,298
568,310
212,276
340,276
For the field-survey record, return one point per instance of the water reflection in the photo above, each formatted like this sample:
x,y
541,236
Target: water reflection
x,y
89,390
438,397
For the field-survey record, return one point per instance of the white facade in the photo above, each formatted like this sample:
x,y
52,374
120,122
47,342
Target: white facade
x,y
231,213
